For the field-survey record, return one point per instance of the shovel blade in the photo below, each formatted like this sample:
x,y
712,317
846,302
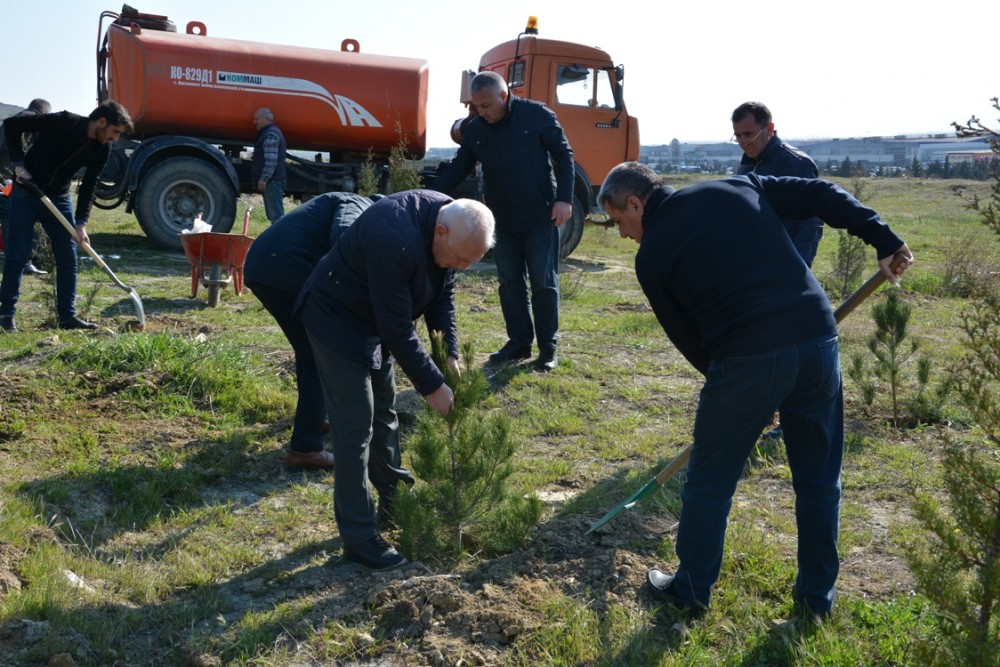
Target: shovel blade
x,y
651,487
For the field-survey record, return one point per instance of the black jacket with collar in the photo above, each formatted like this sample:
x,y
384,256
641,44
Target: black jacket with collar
x,y
527,165
61,149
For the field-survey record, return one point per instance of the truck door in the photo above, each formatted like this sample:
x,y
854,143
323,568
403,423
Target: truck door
x,y
585,104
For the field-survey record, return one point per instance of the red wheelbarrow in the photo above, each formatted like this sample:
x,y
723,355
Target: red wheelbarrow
x,y
211,253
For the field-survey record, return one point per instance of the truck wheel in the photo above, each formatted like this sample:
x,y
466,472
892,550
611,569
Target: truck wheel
x,y
571,231
175,191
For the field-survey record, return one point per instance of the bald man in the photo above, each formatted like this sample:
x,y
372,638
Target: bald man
x,y
396,263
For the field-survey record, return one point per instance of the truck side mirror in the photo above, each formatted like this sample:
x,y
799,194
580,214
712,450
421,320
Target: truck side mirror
x,y
619,88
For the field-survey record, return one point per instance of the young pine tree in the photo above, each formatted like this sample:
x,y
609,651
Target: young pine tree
x,y
957,565
889,344
463,462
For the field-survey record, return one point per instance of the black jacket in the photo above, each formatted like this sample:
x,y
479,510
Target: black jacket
x,y
61,149
381,276
527,165
722,275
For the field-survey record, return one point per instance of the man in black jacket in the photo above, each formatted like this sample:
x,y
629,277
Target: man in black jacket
x,y
277,266
765,154
395,264
738,301
65,143
36,107
528,181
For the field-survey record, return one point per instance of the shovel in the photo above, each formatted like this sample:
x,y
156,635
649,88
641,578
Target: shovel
x,y
140,313
679,461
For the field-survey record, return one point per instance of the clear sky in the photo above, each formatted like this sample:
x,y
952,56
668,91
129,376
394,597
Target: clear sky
x,y
826,69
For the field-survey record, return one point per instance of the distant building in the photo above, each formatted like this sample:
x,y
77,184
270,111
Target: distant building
x,y
869,152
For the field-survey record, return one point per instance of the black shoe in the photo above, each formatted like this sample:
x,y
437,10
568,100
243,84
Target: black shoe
x,y
546,361
375,554
31,270
76,323
7,324
661,587
511,351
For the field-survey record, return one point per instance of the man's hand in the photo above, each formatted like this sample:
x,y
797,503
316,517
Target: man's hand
x,y
22,174
441,400
453,365
261,185
561,212
884,264
81,232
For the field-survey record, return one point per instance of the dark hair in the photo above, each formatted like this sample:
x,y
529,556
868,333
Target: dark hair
x,y
760,112
626,180
38,105
114,113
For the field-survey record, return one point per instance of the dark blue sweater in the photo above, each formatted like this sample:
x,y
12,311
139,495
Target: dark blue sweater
x,y
380,277
723,277
284,255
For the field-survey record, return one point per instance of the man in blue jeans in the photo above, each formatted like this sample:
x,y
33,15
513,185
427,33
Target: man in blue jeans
x,y
64,144
738,301
765,154
267,166
528,182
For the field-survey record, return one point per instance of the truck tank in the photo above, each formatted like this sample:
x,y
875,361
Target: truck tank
x,y
192,84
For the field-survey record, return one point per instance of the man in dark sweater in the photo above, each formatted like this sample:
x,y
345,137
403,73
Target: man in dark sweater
x,y
395,264
277,266
64,143
528,183
765,154
738,301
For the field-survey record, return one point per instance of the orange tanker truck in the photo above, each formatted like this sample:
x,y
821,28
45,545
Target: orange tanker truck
x,y
192,95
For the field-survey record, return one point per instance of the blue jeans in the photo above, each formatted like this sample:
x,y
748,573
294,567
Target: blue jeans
x,y
274,199
535,252
310,411
737,401
365,431
23,210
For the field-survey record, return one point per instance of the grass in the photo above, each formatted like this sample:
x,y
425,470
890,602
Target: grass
x,y
148,466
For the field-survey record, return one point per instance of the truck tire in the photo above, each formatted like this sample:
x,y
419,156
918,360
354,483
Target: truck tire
x,y
175,191
571,231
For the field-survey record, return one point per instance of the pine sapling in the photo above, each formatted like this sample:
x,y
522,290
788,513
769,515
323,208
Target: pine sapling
x,y
463,462
891,344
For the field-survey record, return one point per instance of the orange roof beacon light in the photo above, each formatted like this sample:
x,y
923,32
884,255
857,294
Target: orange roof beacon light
x,y
532,28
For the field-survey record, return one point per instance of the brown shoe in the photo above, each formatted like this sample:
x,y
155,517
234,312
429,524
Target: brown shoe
x,y
322,460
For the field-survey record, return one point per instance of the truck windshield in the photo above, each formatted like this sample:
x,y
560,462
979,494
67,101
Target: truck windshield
x,y
580,85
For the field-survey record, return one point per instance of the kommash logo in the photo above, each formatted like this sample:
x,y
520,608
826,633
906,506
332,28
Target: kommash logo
x,y
236,79
350,112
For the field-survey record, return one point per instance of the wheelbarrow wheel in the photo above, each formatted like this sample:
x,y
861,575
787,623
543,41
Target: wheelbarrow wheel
x,y
214,286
